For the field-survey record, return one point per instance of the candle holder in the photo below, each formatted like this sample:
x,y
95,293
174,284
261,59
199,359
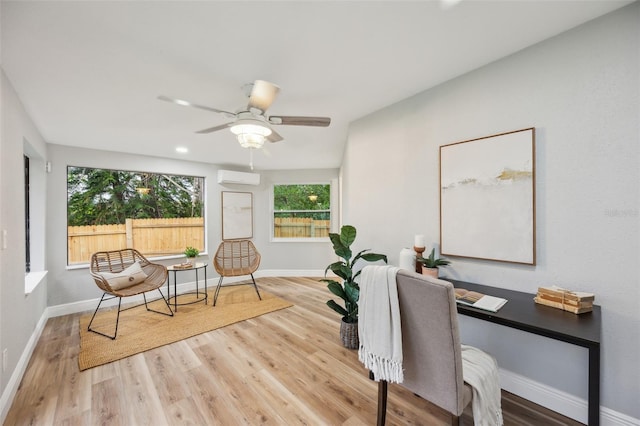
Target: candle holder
x,y
419,251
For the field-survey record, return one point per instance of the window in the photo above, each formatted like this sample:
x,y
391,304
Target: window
x,y
301,211
27,229
157,214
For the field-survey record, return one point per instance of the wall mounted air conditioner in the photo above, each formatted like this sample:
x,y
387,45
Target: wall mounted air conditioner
x,y
241,178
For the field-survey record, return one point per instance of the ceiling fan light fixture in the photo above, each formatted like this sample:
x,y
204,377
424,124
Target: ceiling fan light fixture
x,y
251,140
250,135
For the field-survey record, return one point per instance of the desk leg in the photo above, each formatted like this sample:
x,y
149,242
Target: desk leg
x,y
594,385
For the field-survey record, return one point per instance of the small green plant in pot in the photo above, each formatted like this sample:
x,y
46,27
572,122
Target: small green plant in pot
x,y
191,253
430,264
348,290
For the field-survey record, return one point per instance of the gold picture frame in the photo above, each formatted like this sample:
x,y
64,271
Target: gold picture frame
x,y
487,198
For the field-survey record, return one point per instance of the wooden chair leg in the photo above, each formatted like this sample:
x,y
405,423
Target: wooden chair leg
x,y
382,402
455,421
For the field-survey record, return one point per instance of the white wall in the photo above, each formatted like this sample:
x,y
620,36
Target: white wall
x,y
73,285
19,312
581,91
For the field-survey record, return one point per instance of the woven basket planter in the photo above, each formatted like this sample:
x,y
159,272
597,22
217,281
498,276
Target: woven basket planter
x,y
349,334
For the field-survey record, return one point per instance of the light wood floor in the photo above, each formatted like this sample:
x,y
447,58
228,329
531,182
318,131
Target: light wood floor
x,y
283,368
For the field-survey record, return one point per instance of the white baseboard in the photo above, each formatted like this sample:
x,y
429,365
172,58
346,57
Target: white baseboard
x,y
16,377
559,401
546,396
551,398
609,417
90,305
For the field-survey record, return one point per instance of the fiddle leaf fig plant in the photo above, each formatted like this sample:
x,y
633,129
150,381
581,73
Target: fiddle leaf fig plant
x,y
348,290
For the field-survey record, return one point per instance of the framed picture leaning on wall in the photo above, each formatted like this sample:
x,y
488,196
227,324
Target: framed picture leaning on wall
x,y
487,198
237,215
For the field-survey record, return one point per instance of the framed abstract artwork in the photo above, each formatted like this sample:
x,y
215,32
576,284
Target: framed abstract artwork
x,y
487,198
237,215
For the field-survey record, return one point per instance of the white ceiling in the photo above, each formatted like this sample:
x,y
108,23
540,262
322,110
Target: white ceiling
x,y
89,72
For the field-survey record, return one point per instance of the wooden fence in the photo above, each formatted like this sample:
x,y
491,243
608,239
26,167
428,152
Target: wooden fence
x,y
300,227
152,237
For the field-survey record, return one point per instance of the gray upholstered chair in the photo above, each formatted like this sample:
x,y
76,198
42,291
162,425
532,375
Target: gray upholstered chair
x,y
432,357
125,273
235,258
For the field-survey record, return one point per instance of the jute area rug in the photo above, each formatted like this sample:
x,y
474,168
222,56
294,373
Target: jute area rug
x,y
140,330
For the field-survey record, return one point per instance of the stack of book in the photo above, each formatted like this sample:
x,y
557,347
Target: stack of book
x,y
572,301
185,265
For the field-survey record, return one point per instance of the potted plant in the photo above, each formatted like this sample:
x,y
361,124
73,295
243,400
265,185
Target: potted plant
x,y
191,253
348,290
430,264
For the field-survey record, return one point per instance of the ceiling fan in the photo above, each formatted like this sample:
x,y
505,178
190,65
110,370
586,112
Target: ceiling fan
x,y
251,125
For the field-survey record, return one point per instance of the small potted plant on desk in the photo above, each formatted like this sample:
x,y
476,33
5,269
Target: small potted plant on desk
x,y
191,253
348,290
430,264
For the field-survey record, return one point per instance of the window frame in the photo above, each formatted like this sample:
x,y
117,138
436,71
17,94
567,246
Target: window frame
x,y
27,213
204,200
272,213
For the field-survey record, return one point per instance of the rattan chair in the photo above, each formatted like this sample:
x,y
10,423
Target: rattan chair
x,y
109,271
235,258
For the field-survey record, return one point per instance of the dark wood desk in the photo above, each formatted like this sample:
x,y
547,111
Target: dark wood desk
x,y
522,313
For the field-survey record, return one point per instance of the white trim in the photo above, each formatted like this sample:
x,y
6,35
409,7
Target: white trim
x,y
300,240
551,398
609,417
560,401
32,280
16,376
157,258
546,396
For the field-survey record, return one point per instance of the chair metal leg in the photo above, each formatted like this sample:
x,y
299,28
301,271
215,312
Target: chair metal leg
x,y
256,287
117,318
115,334
166,302
215,296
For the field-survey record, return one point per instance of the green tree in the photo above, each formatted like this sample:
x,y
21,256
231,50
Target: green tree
x,y
105,197
302,197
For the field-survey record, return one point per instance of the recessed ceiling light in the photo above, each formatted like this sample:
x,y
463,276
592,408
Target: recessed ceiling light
x,y
182,150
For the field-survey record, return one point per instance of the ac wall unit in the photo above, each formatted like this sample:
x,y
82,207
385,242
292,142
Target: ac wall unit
x,y
241,178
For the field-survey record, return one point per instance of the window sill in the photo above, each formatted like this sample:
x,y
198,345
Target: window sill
x,y
204,254
32,280
301,240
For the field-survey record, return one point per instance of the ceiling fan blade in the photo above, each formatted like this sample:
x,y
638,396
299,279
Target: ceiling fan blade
x,y
262,95
191,104
274,136
288,120
214,129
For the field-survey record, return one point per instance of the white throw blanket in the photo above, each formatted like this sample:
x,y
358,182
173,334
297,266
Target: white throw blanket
x,y
379,323
480,370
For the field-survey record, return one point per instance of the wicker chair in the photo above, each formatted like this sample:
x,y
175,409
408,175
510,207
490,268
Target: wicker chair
x,y
236,258
109,270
